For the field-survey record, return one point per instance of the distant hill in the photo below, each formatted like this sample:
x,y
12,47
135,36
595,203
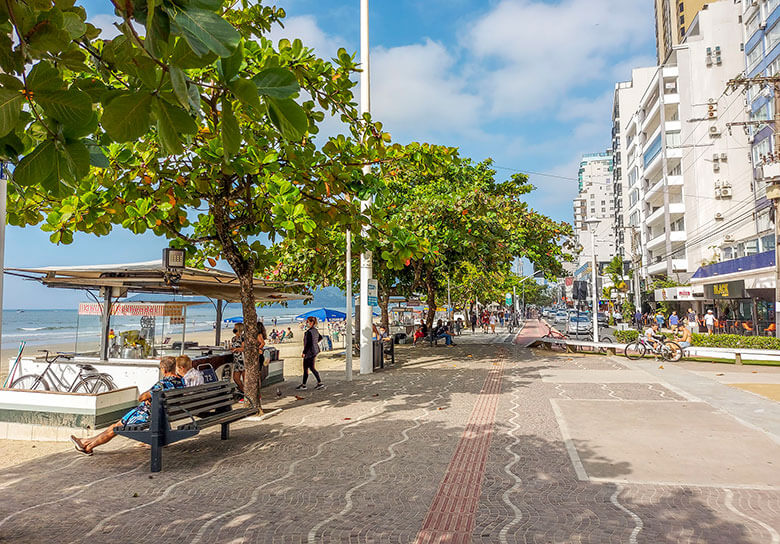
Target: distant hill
x,y
327,297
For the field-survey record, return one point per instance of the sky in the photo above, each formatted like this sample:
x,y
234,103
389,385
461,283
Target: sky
x,y
528,83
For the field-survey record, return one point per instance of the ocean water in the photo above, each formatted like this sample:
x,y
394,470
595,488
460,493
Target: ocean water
x,y
46,327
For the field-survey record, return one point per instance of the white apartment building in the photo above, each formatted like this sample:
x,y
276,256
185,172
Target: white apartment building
x,y
685,169
595,201
625,104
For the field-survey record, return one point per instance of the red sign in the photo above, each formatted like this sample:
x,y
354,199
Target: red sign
x,y
133,309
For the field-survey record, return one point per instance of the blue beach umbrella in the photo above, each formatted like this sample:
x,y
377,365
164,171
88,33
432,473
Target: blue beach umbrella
x,y
323,314
237,319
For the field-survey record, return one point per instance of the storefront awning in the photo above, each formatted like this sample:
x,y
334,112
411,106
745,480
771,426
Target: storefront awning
x,y
757,271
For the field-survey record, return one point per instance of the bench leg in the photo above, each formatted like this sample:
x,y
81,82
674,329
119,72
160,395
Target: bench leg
x,y
156,456
225,431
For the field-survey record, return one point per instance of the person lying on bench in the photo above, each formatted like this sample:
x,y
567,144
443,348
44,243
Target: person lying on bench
x,y
138,415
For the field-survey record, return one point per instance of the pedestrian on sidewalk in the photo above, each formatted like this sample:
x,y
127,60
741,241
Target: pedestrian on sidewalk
x,y
493,320
674,321
709,321
311,347
473,322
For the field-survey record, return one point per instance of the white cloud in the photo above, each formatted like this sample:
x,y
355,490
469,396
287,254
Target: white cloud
x,y
415,88
105,23
542,51
305,28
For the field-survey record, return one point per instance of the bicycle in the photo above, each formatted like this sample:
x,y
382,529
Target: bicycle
x,y
666,349
88,380
553,333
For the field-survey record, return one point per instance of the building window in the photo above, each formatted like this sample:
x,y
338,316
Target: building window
x,y
681,7
682,19
768,242
754,56
772,37
752,26
633,197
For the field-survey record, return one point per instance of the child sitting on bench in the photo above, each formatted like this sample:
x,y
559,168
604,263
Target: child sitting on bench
x,y
190,376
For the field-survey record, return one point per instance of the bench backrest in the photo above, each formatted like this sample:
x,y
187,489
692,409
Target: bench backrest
x,y
182,403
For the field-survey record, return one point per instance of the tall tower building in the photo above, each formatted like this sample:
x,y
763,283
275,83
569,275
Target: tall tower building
x,y
672,19
595,201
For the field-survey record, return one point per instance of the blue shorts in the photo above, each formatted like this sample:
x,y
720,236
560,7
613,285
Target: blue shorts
x,y
137,416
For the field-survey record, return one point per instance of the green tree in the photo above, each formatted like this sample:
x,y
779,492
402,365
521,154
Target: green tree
x,y
203,131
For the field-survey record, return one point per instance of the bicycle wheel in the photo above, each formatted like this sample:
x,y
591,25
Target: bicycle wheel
x,y
607,339
92,385
635,350
31,382
672,352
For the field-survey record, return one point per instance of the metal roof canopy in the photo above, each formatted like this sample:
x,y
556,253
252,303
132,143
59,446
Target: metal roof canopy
x,y
152,277
117,280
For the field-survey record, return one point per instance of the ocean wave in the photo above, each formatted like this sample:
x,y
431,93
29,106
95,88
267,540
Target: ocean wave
x,y
54,328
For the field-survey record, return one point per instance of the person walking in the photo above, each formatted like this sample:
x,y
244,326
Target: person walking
x,y
693,324
638,319
674,321
237,347
311,348
493,320
473,322
709,321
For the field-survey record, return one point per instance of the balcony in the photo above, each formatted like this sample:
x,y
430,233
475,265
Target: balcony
x,y
672,98
652,114
674,152
675,209
673,126
670,71
676,236
674,181
678,265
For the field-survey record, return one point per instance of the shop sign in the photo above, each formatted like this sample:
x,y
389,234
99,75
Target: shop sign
x,y
726,289
373,292
133,309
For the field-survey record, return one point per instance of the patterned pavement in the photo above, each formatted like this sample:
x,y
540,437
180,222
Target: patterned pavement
x,y
459,444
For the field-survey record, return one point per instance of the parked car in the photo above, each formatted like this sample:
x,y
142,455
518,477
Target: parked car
x,y
603,318
579,325
561,317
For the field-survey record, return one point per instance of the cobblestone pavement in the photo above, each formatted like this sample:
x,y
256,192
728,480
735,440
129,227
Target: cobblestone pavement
x,y
455,444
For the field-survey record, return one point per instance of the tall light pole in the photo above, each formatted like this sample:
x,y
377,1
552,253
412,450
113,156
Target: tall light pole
x,y
348,322
594,271
366,313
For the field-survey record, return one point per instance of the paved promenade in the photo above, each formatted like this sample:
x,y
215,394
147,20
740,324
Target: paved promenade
x,y
481,442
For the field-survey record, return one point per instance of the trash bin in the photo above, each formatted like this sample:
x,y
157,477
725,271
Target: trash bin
x,y
377,354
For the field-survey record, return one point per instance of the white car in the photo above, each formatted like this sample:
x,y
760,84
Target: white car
x,y
561,317
579,325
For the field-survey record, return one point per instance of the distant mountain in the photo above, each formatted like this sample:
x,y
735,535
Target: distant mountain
x,y
327,297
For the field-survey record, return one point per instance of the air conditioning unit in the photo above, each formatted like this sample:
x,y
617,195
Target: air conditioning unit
x,y
724,156
725,192
715,167
708,61
728,238
762,26
715,157
714,131
717,192
718,216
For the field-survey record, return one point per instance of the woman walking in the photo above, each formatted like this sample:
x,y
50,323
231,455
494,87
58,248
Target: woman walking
x,y
237,347
311,348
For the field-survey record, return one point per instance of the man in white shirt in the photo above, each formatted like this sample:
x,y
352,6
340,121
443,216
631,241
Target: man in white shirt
x,y
709,321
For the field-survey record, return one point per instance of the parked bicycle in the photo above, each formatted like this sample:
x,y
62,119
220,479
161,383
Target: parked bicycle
x,y
667,350
88,380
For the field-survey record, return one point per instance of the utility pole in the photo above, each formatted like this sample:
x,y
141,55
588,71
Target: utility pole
x,y
366,268
348,321
770,170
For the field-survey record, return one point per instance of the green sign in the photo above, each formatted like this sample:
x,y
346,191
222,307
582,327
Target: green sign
x,y
508,299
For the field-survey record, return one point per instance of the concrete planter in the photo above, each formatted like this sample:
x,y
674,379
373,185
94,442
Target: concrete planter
x,y
46,415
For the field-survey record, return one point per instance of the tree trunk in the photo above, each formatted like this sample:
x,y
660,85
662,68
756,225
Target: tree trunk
x,y
244,270
384,303
431,289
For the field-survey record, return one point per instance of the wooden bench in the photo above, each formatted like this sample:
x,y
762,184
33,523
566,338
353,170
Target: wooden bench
x,y
177,414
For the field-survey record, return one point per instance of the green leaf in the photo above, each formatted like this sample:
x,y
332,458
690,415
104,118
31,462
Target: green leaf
x,y
186,59
170,122
44,77
179,84
288,117
276,83
71,107
231,134
126,117
246,92
229,66
10,108
37,165
73,25
73,162
210,5
205,31
97,157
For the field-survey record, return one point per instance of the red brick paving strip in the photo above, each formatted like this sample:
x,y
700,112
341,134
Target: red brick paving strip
x,y
451,516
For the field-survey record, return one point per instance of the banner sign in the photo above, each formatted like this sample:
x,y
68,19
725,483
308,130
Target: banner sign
x,y
373,292
726,289
133,309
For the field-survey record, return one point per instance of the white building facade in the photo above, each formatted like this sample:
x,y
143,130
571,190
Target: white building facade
x,y
595,201
684,168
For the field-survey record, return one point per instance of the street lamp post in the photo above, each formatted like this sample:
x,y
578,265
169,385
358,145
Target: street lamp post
x,y
594,271
366,312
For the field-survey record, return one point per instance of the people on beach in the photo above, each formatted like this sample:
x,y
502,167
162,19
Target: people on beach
x,y
190,376
311,347
139,415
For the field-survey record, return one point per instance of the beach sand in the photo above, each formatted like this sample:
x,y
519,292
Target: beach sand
x,y
14,452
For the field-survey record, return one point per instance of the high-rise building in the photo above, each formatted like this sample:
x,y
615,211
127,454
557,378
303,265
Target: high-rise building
x,y
595,202
688,172
626,101
672,20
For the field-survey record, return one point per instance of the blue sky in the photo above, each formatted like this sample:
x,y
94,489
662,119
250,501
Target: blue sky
x,y
526,82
